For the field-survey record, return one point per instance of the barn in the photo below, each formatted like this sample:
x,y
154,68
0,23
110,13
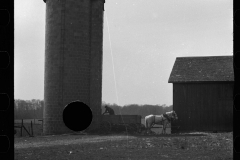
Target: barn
x,y
203,93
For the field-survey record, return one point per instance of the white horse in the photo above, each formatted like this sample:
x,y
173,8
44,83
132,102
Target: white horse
x,y
163,119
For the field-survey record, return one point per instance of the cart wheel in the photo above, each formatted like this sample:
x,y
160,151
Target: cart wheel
x,y
128,127
142,128
106,126
133,127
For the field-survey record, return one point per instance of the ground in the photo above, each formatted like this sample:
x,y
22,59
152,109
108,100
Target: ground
x,y
124,146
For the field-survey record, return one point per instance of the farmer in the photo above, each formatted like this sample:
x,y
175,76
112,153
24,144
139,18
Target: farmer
x,y
109,110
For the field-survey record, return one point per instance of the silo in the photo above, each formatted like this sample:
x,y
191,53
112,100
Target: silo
x,y
73,59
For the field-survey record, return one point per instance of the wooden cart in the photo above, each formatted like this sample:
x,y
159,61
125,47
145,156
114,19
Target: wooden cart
x,y
129,123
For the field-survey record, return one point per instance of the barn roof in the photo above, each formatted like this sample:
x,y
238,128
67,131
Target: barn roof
x,y
202,69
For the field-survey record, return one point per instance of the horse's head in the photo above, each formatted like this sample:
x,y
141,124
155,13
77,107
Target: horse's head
x,y
174,114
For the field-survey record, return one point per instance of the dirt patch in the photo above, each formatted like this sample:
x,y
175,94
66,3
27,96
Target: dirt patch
x,y
75,147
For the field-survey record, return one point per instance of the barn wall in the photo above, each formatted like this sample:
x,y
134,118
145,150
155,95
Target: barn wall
x,y
203,106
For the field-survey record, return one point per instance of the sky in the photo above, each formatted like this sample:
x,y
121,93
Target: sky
x,y
141,40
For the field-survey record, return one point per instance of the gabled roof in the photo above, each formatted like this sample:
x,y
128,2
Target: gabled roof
x,y
202,69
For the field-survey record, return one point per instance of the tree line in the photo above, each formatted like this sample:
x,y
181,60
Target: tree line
x,y
136,109
28,109
33,109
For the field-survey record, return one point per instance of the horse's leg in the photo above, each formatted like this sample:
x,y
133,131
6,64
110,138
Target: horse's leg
x,y
164,127
148,130
146,123
151,127
148,127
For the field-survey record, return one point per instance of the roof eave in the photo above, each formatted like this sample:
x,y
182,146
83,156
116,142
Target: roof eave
x,y
230,81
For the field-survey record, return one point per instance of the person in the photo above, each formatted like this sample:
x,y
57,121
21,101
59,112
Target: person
x,y
109,110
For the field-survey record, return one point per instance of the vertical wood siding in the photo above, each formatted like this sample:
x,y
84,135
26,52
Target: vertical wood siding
x,y
203,106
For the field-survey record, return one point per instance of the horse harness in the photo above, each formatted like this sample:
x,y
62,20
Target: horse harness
x,y
167,117
164,115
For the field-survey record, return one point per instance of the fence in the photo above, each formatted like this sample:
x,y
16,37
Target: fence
x,y
30,126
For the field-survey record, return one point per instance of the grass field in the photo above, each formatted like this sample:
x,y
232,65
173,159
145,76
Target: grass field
x,y
122,146
195,146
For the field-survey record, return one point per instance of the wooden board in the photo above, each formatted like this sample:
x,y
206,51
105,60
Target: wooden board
x,y
121,119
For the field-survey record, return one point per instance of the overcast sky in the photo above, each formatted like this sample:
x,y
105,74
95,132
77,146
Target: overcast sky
x,y
146,37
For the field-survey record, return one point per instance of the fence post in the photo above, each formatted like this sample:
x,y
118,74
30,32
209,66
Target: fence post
x,y
21,127
29,129
42,124
32,127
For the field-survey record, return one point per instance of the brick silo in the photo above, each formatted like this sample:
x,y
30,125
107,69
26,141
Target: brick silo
x,y
73,59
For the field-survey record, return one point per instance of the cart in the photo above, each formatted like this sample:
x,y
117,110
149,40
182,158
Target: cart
x,y
129,123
